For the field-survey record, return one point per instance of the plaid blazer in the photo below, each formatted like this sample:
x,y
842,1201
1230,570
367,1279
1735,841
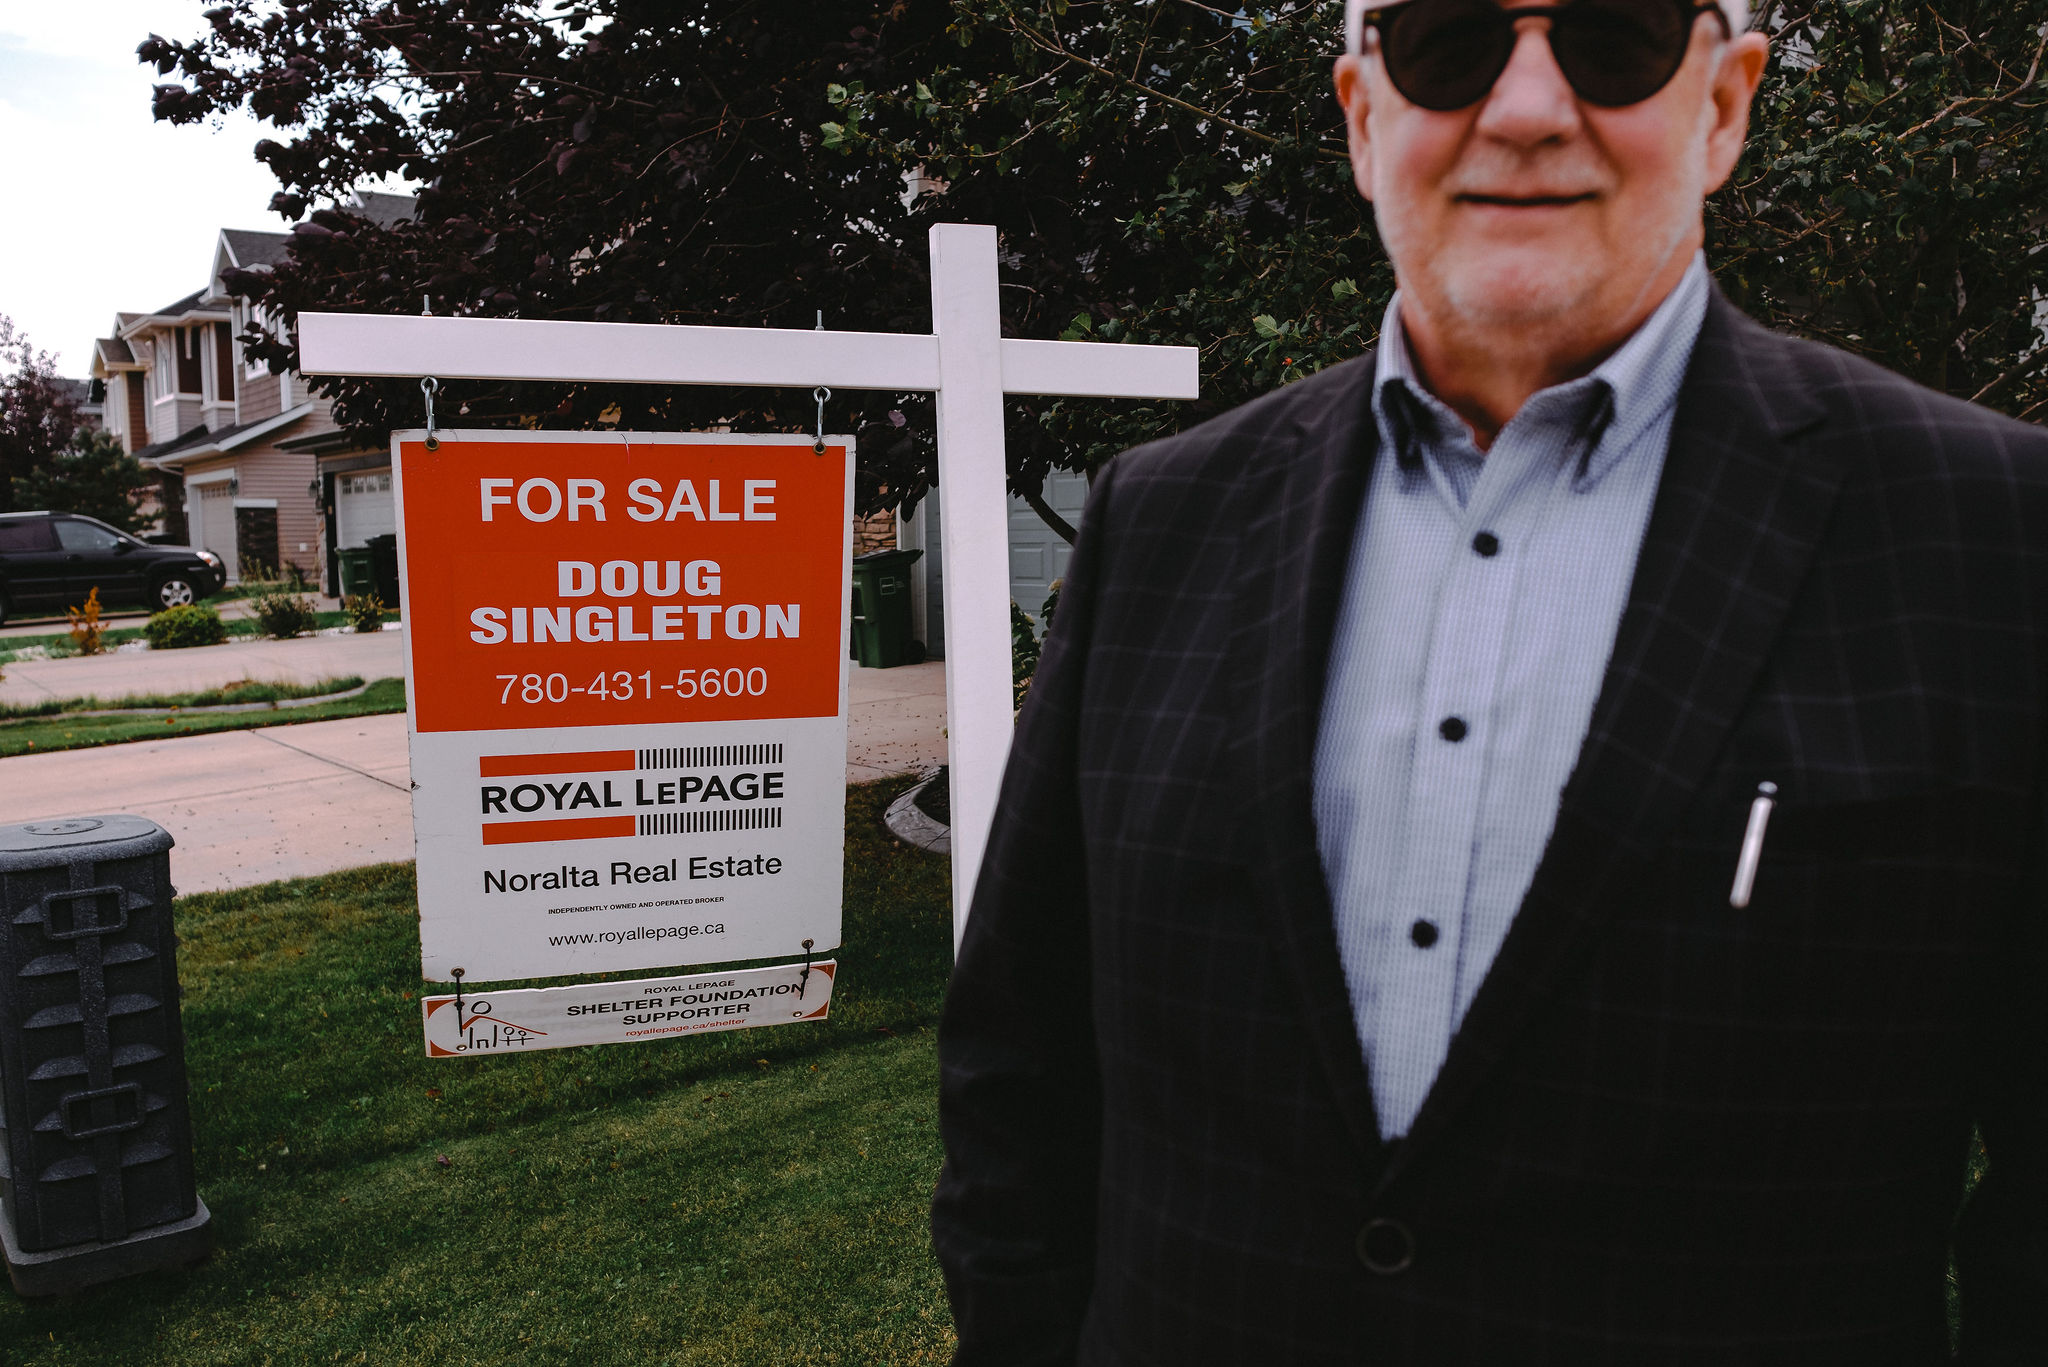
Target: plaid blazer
x,y
1669,1131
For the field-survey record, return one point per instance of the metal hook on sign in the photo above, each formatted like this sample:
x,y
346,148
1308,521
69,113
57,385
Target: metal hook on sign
x,y
804,978
456,974
820,394
430,387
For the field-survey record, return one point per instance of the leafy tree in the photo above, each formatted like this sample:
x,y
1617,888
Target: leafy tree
x,y
38,415
93,476
1161,170
618,160
1168,172
1173,171
1892,200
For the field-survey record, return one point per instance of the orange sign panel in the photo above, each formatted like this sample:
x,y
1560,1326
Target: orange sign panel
x,y
608,583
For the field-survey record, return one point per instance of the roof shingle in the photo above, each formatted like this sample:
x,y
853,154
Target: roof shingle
x,y
252,249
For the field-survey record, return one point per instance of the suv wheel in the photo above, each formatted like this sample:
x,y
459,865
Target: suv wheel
x,y
175,592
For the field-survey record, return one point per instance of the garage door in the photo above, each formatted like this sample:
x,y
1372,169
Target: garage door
x,y
1038,554
363,507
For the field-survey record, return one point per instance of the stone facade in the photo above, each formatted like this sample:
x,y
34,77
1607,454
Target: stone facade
x,y
875,533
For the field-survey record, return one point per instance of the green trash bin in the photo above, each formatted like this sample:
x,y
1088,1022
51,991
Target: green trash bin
x,y
358,570
881,608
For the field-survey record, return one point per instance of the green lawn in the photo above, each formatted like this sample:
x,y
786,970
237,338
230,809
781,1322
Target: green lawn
x,y
65,731
755,1197
241,691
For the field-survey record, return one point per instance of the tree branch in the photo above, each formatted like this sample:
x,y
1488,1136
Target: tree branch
x,y
1038,505
1985,101
2020,371
1038,40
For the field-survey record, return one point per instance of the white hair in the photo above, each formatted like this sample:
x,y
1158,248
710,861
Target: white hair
x,y
1737,12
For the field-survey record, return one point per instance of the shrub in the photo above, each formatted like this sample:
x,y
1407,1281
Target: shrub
x,y
284,615
87,632
365,611
1026,640
178,628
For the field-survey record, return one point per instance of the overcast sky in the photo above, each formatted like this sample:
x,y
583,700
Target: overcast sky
x,y
102,208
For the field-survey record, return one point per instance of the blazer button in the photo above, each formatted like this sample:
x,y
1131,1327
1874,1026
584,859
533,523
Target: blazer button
x,y
1386,1247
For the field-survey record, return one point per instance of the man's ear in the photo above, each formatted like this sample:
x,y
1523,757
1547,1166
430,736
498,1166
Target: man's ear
x,y
1351,93
1734,89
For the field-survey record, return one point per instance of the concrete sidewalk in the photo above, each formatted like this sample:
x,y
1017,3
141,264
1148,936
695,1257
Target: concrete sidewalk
x,y
287,801
124,673
895,721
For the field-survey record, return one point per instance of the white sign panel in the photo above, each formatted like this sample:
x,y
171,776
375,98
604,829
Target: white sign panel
x,y
523,1020
626,694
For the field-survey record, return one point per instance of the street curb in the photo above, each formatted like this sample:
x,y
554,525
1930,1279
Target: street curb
x,y
209,709
910,825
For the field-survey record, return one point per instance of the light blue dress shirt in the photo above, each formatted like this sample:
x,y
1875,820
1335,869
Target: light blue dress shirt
x,y
1479,611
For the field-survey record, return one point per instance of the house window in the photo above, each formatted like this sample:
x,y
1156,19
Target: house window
x,y
138,408
366,484
224,361
253,365
189,379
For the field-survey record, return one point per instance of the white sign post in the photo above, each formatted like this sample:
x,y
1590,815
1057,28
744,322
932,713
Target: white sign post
x,y
966,361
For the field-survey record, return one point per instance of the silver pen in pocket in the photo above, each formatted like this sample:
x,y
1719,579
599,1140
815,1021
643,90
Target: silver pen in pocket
x,y
1752,845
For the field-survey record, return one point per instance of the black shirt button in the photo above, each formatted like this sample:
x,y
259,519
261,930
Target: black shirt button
x,y
1487,544
1423,933
1386,1247
1452,729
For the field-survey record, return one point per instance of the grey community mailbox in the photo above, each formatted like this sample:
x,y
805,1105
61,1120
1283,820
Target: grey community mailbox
x,y
96,1174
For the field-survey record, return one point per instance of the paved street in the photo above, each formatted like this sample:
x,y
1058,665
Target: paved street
x,y
286,801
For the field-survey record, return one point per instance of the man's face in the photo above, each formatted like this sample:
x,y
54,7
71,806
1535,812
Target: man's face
x,y
1534,209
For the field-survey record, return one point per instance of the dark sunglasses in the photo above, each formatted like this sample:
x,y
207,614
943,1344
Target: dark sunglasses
x,y
1446,54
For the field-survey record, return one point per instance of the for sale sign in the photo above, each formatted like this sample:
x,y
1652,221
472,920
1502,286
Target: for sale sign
x,y
626,695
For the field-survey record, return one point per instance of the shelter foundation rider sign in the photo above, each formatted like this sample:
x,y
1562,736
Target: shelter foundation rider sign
x,y
626,696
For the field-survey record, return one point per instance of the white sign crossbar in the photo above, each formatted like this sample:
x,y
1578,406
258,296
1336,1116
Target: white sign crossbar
x,y
965,361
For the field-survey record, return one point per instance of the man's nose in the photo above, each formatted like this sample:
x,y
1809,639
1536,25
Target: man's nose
x,y
1531,102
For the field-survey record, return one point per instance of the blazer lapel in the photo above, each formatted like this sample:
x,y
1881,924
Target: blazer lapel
x,y
1741,507
1301,521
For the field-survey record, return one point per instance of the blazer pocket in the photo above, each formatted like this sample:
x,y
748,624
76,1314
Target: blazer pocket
x,y
1942,825
1853,963
1974,825
1938,866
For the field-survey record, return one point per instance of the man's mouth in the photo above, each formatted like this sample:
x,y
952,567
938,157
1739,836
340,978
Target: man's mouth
x,y
1527,201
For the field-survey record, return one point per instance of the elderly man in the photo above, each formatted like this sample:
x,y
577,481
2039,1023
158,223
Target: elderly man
x,y
1526,847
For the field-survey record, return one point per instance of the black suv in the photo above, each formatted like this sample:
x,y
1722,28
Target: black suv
x,y
51,561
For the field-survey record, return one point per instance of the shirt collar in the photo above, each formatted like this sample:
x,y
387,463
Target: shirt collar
x,y
1638,385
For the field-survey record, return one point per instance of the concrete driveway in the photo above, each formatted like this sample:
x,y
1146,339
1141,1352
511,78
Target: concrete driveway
x,y
123,673
288,801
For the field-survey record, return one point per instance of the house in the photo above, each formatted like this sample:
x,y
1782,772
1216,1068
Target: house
x,y
239,451
191,409
348,480
122,381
